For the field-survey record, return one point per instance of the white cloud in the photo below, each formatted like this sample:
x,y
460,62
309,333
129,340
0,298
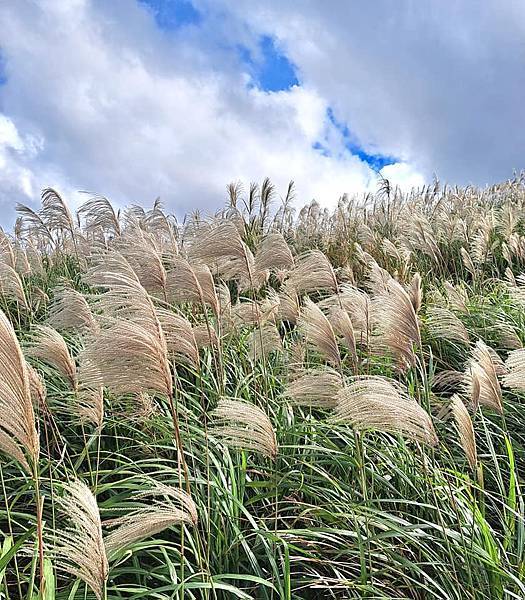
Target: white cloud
x,y
437,84
124,109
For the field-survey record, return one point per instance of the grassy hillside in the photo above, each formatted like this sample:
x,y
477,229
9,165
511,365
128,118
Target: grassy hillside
x,y
267,405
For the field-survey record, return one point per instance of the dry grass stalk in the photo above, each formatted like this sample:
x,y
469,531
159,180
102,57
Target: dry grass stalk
x,y
142,522
515,367
465,429
48,346
70,311
289,305
315,388
312,272
481,379
442,323
457,297
378,403
191,283
245,426
448,380
396,324
11,286
342,326
144,256
415,291
179,336
79,547
17,427
273,254
205,336
319,333
264,340
38,388
56,213
129,354
100,215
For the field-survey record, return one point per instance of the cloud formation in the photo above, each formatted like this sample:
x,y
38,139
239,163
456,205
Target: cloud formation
x,y
98,96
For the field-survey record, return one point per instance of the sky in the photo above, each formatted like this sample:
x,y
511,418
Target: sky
x,y
136,99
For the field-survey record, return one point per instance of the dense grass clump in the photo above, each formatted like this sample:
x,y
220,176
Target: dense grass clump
x,y
263,405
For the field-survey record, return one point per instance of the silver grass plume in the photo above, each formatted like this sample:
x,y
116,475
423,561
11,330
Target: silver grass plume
x,y
481,378
273,254
48,346
264,340
289,305
415,292
100,214
56,213
312,272
37,388
442,323
396,324
319,333
358,305
174,507
315,388
342,326
70,311
457,297
11,286
382,404
79,547
129,354
465,429
17,427
179,336
205,336
245,426
190,283
515,367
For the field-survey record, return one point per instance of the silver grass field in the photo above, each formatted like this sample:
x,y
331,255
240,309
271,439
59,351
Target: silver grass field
x,y
268,403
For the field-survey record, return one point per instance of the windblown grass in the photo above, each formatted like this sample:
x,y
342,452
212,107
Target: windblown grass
x,y
263,405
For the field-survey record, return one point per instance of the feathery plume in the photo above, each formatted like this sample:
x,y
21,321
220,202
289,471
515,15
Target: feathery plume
x,y
319,333
99,214
342,326
48,346
465,429
179,336
190,283
312,272
515,367
315,388
378,403
37,388
442,323
11,286
273,254
397,324
481,378
149,519
243,425
69,311
263,340
17,427
415,292
79,547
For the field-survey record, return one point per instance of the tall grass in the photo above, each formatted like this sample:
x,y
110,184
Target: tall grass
x,y
262,404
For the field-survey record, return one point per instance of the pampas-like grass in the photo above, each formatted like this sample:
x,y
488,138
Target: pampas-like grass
x,y
78,548
378,403
37,388
100,215
312,272
263,340
465,429
48,346
273,254
514,378
342,326
245,426
415,292
56,213
396,324
179,336
442,323
205,336
34,226
481,378
17,427
319,333
191,283
315,388
142,253
456,296
70,311
11,286
146,520
289,305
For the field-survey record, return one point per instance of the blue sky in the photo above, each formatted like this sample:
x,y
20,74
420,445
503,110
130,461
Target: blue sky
x,y
177,98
